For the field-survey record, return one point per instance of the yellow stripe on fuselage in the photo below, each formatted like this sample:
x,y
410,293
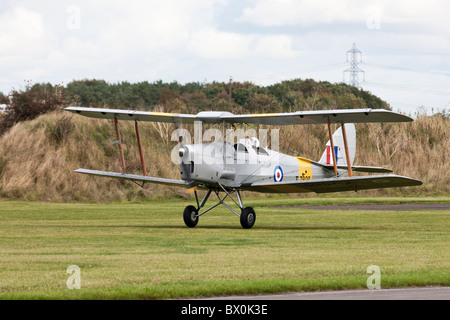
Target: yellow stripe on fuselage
x,y
304,169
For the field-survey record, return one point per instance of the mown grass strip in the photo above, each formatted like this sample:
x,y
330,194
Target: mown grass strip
x,y
144,251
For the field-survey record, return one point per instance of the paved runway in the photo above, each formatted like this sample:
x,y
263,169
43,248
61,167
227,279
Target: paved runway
x,y
425,293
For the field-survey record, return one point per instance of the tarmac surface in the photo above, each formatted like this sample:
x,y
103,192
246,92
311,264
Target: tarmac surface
x,y
422,293
375,207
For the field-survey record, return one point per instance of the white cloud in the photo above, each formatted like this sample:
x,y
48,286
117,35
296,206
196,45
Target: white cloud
x,y
276,46
150,26
426,16
213,44
257,40
305,12
22,33
53,41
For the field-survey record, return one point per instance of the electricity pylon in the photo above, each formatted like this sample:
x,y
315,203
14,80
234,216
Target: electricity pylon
x,y
354,57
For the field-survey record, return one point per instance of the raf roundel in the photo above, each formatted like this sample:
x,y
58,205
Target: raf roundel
x,y
278,174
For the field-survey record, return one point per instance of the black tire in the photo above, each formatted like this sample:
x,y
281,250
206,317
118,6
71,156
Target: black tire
x,y
248,218
190,216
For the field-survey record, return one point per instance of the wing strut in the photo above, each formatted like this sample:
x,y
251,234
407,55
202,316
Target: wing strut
x,y
116,126
119,142
349,165
141,154
332,147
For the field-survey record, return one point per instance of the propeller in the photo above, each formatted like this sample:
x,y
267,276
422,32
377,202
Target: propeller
x,y
182,152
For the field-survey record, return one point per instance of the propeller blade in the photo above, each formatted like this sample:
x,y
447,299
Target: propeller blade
x,y
183,166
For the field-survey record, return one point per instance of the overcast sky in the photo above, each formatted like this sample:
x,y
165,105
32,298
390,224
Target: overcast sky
x,y
405,45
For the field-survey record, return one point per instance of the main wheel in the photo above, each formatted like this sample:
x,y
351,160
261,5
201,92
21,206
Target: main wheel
x,y
190,216
248,217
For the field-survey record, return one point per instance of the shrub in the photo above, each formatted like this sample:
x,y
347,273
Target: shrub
x,y
22,105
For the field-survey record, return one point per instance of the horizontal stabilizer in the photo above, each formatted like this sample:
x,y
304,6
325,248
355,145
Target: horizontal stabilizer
x,y
169,182
334,184
371,169
361,169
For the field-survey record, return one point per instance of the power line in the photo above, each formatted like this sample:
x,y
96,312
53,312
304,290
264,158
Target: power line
x,y
406,88
408,69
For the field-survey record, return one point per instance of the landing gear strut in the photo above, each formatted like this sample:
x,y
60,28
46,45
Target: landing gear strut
x,y
247,216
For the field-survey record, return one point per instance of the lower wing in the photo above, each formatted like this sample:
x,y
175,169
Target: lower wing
x,y
134,177
317,186
333,184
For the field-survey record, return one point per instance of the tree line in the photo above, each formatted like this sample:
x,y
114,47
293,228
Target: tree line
x,y
192,97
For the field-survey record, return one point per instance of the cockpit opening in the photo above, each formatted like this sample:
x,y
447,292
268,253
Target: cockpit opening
x,y
251,143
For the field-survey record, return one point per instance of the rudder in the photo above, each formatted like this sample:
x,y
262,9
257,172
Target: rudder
x,y
338,141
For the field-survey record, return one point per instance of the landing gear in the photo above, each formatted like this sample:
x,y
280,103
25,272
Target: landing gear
x,y
191,214
248,218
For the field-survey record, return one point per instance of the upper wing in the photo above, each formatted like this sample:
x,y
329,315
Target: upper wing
x,y
333,184
132,115
291,118
321,117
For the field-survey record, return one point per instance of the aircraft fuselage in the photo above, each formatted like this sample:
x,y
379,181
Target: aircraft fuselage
x,y
244,164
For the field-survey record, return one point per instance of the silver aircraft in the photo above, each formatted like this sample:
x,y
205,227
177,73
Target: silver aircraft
x,y
228,166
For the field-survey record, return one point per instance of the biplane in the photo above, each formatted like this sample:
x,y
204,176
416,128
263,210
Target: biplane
x,y
227,168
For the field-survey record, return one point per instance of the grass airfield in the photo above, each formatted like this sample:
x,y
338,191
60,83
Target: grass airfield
x,y
144,251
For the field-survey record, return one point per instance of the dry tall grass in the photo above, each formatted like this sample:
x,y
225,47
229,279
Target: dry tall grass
x,y
37,158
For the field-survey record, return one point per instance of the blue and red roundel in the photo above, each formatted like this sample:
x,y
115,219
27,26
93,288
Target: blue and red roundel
x,y
278,174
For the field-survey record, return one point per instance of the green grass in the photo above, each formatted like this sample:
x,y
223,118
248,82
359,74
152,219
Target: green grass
x,y
144,251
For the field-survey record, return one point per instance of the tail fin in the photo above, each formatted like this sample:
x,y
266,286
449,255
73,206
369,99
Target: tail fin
x,y
338,141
